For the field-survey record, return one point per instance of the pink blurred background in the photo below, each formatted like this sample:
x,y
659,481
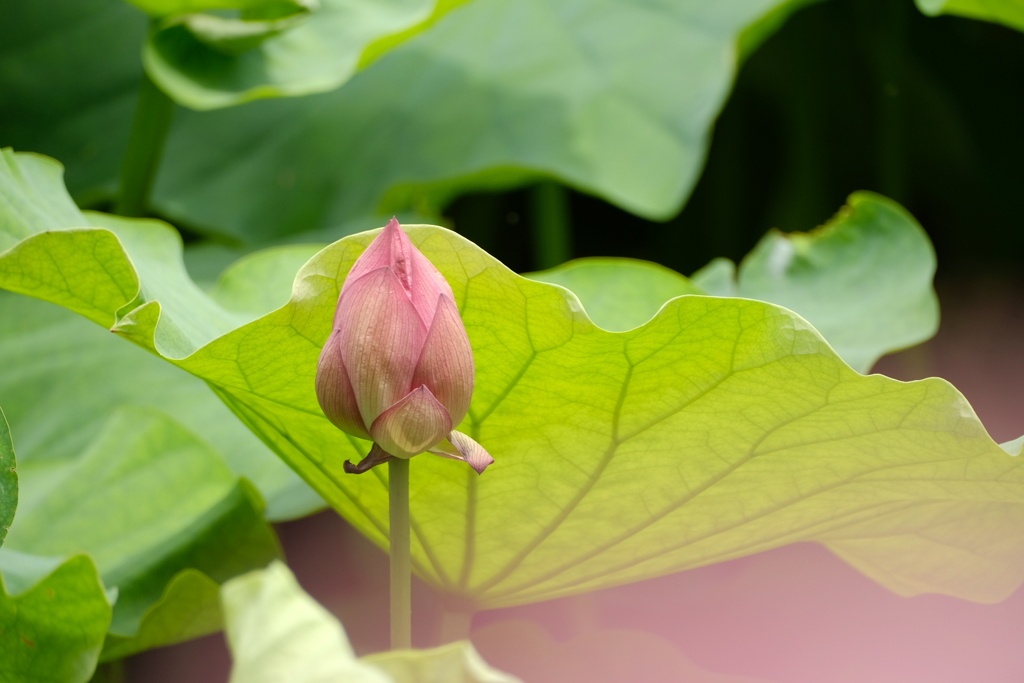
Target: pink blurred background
x,y
795,614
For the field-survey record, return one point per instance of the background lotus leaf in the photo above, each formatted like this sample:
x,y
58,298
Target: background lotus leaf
x,y
206,61
151,505
65,377
496,93
864,280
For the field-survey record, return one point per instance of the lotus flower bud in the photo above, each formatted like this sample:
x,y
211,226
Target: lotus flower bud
x,y
398,368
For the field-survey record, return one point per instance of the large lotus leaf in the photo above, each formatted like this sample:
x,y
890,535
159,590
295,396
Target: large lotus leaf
x,y
278,633
614,97
146,501
50,630
864,280
1008,12
207,61
720,428
8,479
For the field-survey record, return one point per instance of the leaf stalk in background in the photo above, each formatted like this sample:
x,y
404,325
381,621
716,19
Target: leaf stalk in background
x,y
552,229
153,114
401,562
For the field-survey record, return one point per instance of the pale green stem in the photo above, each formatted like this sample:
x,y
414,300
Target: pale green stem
x,y
153,113
401,563
552,228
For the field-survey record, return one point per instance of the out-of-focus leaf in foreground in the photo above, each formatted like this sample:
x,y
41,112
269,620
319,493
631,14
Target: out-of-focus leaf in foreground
x,y
721,428
864,280
51,629
1007,12
8,478
148,501
278,633
206,61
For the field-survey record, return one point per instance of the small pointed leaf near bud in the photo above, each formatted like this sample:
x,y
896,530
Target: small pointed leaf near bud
x,y
398,367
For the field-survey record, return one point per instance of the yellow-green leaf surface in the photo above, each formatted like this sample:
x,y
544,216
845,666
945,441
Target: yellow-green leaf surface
x,y
864,280
148,502
207,61
8,479
720,428
1007,12
279,634
51,626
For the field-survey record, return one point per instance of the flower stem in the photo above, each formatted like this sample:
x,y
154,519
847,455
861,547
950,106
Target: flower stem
x,y
552,228
153,113
401,564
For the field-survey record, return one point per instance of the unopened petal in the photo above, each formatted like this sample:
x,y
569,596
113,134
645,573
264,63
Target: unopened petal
x,y
446,363
427,285
380,338
420,280
334,391
380,253
412,425
458,446
376,456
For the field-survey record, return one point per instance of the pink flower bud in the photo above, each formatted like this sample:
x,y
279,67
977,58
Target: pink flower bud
x,y
398,367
